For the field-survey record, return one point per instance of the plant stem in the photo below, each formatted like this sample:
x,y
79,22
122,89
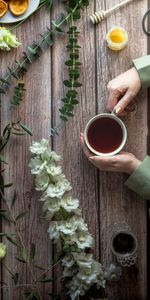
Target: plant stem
x,y
45,272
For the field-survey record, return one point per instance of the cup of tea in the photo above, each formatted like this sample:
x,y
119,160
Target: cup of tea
x,y
105,134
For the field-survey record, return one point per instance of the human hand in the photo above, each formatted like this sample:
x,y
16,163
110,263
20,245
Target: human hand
x,y
123,162
122,90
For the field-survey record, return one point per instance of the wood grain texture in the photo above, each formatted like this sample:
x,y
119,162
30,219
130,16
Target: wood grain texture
x,y
106,202
118,205
36,112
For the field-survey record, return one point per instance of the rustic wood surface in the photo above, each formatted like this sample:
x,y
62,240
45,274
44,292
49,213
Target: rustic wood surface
x,y
107,204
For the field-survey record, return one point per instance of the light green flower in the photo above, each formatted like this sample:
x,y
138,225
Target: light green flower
x,y
59,188
83,259
69,204
67,261
50,156
3,249
39,147
53,170
51,206
7,39
82,239
68,227
53,230
42,181
37,165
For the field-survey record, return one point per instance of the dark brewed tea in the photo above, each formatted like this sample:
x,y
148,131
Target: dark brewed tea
x,y
105,135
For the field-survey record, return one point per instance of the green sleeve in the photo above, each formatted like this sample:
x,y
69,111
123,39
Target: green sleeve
x,y
139,181
142,65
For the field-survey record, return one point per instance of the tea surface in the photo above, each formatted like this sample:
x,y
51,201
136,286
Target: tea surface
x,y
105,135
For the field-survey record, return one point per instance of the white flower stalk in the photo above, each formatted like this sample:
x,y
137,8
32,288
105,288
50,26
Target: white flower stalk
x,y
7,39
67,227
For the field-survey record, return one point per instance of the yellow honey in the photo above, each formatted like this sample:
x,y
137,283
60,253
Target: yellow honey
x,y
117,38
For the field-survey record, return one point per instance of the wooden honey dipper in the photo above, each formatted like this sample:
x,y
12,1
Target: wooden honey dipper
x,y
100,15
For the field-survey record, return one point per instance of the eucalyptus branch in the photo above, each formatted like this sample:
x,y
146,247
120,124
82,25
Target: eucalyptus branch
x,y
73,69
34,51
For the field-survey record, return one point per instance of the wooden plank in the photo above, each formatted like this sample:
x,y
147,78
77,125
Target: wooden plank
x,y
76,167
36,112
117,203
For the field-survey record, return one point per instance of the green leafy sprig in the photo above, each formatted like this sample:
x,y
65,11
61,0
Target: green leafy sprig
x,y
73,70
34,51
18,93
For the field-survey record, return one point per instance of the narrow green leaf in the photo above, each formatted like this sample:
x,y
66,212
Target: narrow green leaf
x,y
6,217
31,50
12,240
25,128
20,259
39,267
14,199
6,185
21,215
47,280
32,252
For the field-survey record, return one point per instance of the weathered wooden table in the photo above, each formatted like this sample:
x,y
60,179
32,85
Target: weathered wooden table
x,y
106,202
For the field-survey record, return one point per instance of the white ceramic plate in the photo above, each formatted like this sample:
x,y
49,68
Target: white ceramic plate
x,y
10,18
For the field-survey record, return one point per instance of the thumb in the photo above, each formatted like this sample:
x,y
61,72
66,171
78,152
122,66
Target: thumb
x,y
123,102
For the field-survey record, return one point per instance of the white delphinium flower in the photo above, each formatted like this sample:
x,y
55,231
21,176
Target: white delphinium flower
x,y
59,188
68,261
37,165
69,204
91,275
113,272
42,181
50,156
85,278
82,239
83,259
53,170
53,230
39,147
51,206
66,226
76,288
69,267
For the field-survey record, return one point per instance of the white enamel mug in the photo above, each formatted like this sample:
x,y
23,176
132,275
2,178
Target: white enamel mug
x,y
116,119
